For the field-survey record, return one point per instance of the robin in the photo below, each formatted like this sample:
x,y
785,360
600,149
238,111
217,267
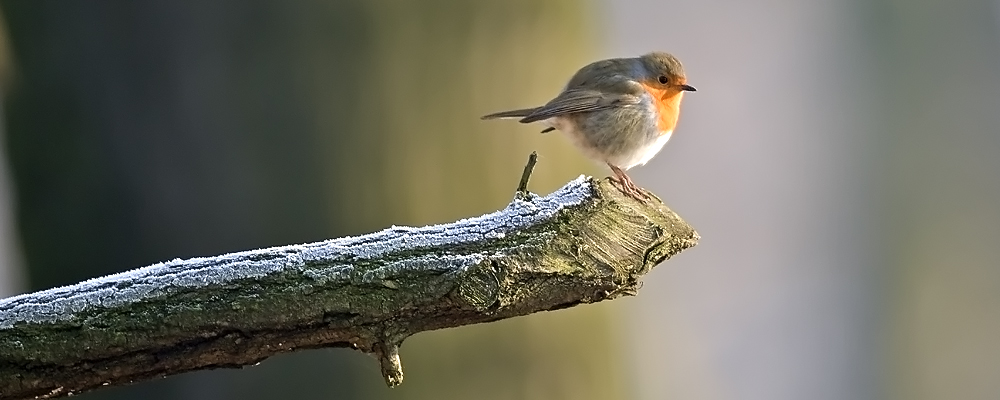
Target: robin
x,y
619,111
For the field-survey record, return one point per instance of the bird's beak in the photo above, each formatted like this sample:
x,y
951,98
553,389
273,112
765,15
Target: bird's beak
x,y
688,88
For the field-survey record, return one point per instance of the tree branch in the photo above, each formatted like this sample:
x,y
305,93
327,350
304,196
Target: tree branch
x,y
584,243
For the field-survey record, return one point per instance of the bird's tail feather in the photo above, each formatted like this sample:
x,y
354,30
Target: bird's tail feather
x,y
511,114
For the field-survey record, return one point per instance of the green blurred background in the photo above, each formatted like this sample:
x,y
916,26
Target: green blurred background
x,y
841,160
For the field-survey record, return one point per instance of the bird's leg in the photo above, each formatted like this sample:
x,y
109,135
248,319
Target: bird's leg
x,y
627,187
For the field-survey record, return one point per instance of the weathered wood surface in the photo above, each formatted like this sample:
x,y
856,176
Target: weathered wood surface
x,y
584,243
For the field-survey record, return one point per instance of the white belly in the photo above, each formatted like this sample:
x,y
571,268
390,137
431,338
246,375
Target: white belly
x,y
646,153
636,156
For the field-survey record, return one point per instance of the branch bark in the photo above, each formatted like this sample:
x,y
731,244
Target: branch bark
x,y
582,244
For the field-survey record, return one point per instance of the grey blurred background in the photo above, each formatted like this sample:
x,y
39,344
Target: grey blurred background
x,y
841,161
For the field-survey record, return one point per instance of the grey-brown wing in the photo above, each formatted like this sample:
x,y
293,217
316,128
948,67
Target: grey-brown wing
x,y
580,100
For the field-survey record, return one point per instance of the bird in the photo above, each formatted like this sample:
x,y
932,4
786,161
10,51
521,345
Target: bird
x,y
619,111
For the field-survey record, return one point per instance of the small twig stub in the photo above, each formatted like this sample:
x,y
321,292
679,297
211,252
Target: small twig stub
x,y
522,186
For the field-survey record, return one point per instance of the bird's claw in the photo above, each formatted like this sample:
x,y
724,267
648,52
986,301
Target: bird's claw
x,y
630,189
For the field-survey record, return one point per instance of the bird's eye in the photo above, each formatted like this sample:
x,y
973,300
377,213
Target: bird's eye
x,y
663,79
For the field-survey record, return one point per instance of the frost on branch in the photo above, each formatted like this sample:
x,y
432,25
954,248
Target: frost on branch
x,y
584,243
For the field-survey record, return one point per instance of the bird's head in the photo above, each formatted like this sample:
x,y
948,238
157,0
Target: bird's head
x,y
665,72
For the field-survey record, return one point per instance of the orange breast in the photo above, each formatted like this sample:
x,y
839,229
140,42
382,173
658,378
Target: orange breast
x,y
668,106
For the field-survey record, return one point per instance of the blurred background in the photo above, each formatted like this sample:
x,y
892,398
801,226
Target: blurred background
x,y
841,161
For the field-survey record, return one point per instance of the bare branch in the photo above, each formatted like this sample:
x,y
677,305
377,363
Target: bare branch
x,y
584,243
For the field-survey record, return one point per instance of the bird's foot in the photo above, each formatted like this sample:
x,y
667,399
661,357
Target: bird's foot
x,y
626,186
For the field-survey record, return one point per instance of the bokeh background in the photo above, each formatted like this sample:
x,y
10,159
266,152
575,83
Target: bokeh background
x,y
841,161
